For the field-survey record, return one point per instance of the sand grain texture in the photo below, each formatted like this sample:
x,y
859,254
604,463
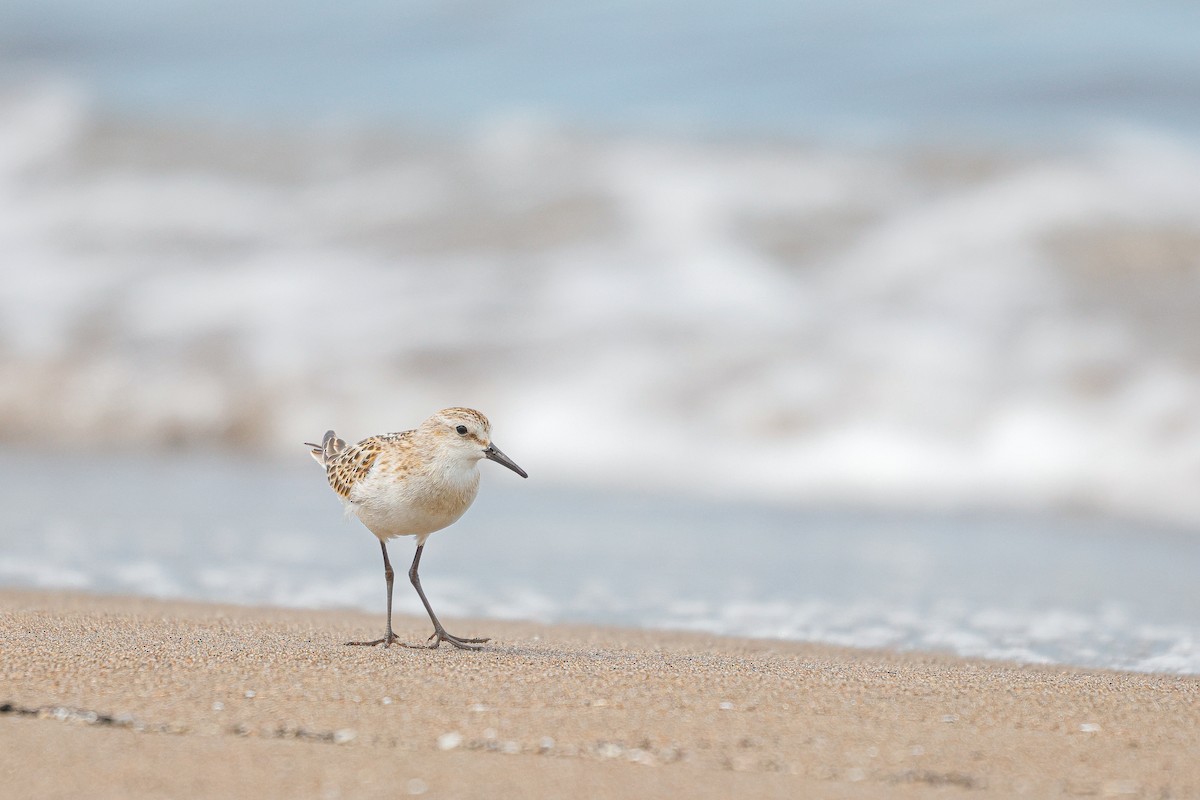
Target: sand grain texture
x,y
127,697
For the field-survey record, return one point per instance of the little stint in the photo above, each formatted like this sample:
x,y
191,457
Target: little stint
x,y
413,483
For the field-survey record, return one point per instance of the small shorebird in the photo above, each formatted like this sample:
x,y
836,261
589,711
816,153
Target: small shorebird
x,y
412,484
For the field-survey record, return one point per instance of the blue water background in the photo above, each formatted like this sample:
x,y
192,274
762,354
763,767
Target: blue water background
x,y
865,70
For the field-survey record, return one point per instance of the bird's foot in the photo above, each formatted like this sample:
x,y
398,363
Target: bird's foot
x,y
385,641
440,635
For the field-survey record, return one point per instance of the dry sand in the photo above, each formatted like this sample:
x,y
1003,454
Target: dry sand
x,y
124,697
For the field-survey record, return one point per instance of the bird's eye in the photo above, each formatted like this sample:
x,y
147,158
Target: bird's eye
x,y
462,430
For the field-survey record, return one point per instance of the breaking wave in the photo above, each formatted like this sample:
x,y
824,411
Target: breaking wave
x,y
746,318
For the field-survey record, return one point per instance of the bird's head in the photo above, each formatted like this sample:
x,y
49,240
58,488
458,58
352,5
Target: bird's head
x,y
466,432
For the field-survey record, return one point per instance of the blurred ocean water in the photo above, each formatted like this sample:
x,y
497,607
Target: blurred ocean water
x,y
936,269
779,321
865,69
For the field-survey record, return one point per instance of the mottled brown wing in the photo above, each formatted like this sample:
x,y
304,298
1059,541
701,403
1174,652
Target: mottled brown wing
x,y
352,465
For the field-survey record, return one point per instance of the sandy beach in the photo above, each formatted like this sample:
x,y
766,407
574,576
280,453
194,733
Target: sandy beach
x,y
130,697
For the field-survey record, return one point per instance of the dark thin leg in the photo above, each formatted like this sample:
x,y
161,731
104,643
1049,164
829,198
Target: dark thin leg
x,y
387,571
439,633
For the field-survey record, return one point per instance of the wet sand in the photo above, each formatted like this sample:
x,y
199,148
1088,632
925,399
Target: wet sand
x,y
128,697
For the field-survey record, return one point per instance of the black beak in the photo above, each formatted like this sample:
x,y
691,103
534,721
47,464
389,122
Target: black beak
x,y
492,452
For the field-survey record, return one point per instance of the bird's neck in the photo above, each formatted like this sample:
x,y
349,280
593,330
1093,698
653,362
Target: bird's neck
x,y
455,473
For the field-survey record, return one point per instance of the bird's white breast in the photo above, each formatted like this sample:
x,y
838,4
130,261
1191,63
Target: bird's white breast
x,y
417,503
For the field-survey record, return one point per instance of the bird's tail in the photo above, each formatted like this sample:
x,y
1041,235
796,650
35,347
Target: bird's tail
x,y
329,447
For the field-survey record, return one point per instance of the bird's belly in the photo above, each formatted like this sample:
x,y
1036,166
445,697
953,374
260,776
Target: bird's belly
x,y
390,514
390,523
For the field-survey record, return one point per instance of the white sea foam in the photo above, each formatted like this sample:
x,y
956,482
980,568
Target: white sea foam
x,y
1028,636
896,327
